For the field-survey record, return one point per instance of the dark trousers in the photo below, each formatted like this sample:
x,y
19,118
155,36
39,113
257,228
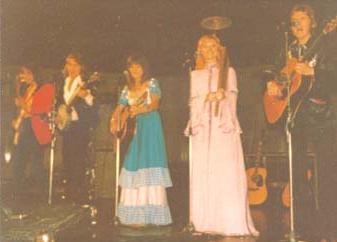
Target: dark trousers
x,y
326,153
28,150
309,219
75,159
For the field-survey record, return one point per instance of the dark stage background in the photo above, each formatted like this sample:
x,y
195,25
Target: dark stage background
x,y
44,32
166,30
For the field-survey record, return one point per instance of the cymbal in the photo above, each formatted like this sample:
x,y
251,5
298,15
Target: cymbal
x,y
216,23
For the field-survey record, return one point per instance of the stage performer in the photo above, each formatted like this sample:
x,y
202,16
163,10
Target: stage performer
x,y
77,116
34,101
145,175
315,123
219,203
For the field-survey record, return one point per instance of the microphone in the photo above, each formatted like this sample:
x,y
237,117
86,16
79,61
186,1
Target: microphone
x,y
187,62
282,26
127,75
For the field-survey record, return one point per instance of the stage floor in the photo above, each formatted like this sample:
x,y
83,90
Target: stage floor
x,y
271,218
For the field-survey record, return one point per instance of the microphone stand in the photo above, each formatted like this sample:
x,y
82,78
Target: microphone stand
x,y
190,227
291,236
52,150
116,221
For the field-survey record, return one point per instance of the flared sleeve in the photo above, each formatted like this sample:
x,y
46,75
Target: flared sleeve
x,y
196,103
228,111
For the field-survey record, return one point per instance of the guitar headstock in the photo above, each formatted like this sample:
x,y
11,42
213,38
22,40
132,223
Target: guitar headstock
x,y
96,76
330,26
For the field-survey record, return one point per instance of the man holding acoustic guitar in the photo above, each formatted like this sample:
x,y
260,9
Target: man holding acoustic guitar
x,y
312,121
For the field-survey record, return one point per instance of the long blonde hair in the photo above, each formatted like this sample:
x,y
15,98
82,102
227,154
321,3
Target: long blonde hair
x,y
222,59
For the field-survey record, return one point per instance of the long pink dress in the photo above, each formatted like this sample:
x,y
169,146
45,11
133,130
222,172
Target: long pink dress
x,y
218,184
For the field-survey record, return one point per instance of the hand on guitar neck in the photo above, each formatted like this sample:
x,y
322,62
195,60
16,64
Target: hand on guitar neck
x,y
24,104
276,97
83,90
63,117
82,93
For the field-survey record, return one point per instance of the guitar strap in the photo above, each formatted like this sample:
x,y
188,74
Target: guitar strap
x,y
301,50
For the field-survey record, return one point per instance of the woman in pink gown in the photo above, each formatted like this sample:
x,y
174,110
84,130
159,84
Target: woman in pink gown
x,y
218,182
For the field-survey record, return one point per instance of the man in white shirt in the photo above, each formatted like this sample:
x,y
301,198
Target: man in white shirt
x,y
80,103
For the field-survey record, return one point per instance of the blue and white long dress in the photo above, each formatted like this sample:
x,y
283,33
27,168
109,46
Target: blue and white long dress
x,y
145,176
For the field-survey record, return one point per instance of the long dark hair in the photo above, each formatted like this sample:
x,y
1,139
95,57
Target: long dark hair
x,y
36,71
20,88
141,60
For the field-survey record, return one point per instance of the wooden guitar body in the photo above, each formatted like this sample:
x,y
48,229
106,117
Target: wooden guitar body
x,y
127,123
257,189
256,178
286,191
274,106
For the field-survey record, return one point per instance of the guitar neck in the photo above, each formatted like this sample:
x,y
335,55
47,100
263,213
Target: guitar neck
x,y
329,27
73,96
28,98
140,100
258,156
78,88
313,46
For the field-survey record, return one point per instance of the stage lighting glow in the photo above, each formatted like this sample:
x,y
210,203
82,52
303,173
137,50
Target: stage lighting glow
x,y
45,238
8,156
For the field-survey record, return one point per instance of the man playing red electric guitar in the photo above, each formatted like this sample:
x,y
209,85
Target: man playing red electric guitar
x,y
31,126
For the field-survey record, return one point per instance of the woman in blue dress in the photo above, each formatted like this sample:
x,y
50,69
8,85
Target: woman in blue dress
x,y
144,176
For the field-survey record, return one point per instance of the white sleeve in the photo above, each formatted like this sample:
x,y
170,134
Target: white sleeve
x,y
89,99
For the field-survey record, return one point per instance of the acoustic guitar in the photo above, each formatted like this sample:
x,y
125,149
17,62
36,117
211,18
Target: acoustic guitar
x,y
127,122
256,178
63,116
286,191
275,105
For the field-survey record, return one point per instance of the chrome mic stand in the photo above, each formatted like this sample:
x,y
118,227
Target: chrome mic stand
x,y
291,237
190,227
118,157
52,151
